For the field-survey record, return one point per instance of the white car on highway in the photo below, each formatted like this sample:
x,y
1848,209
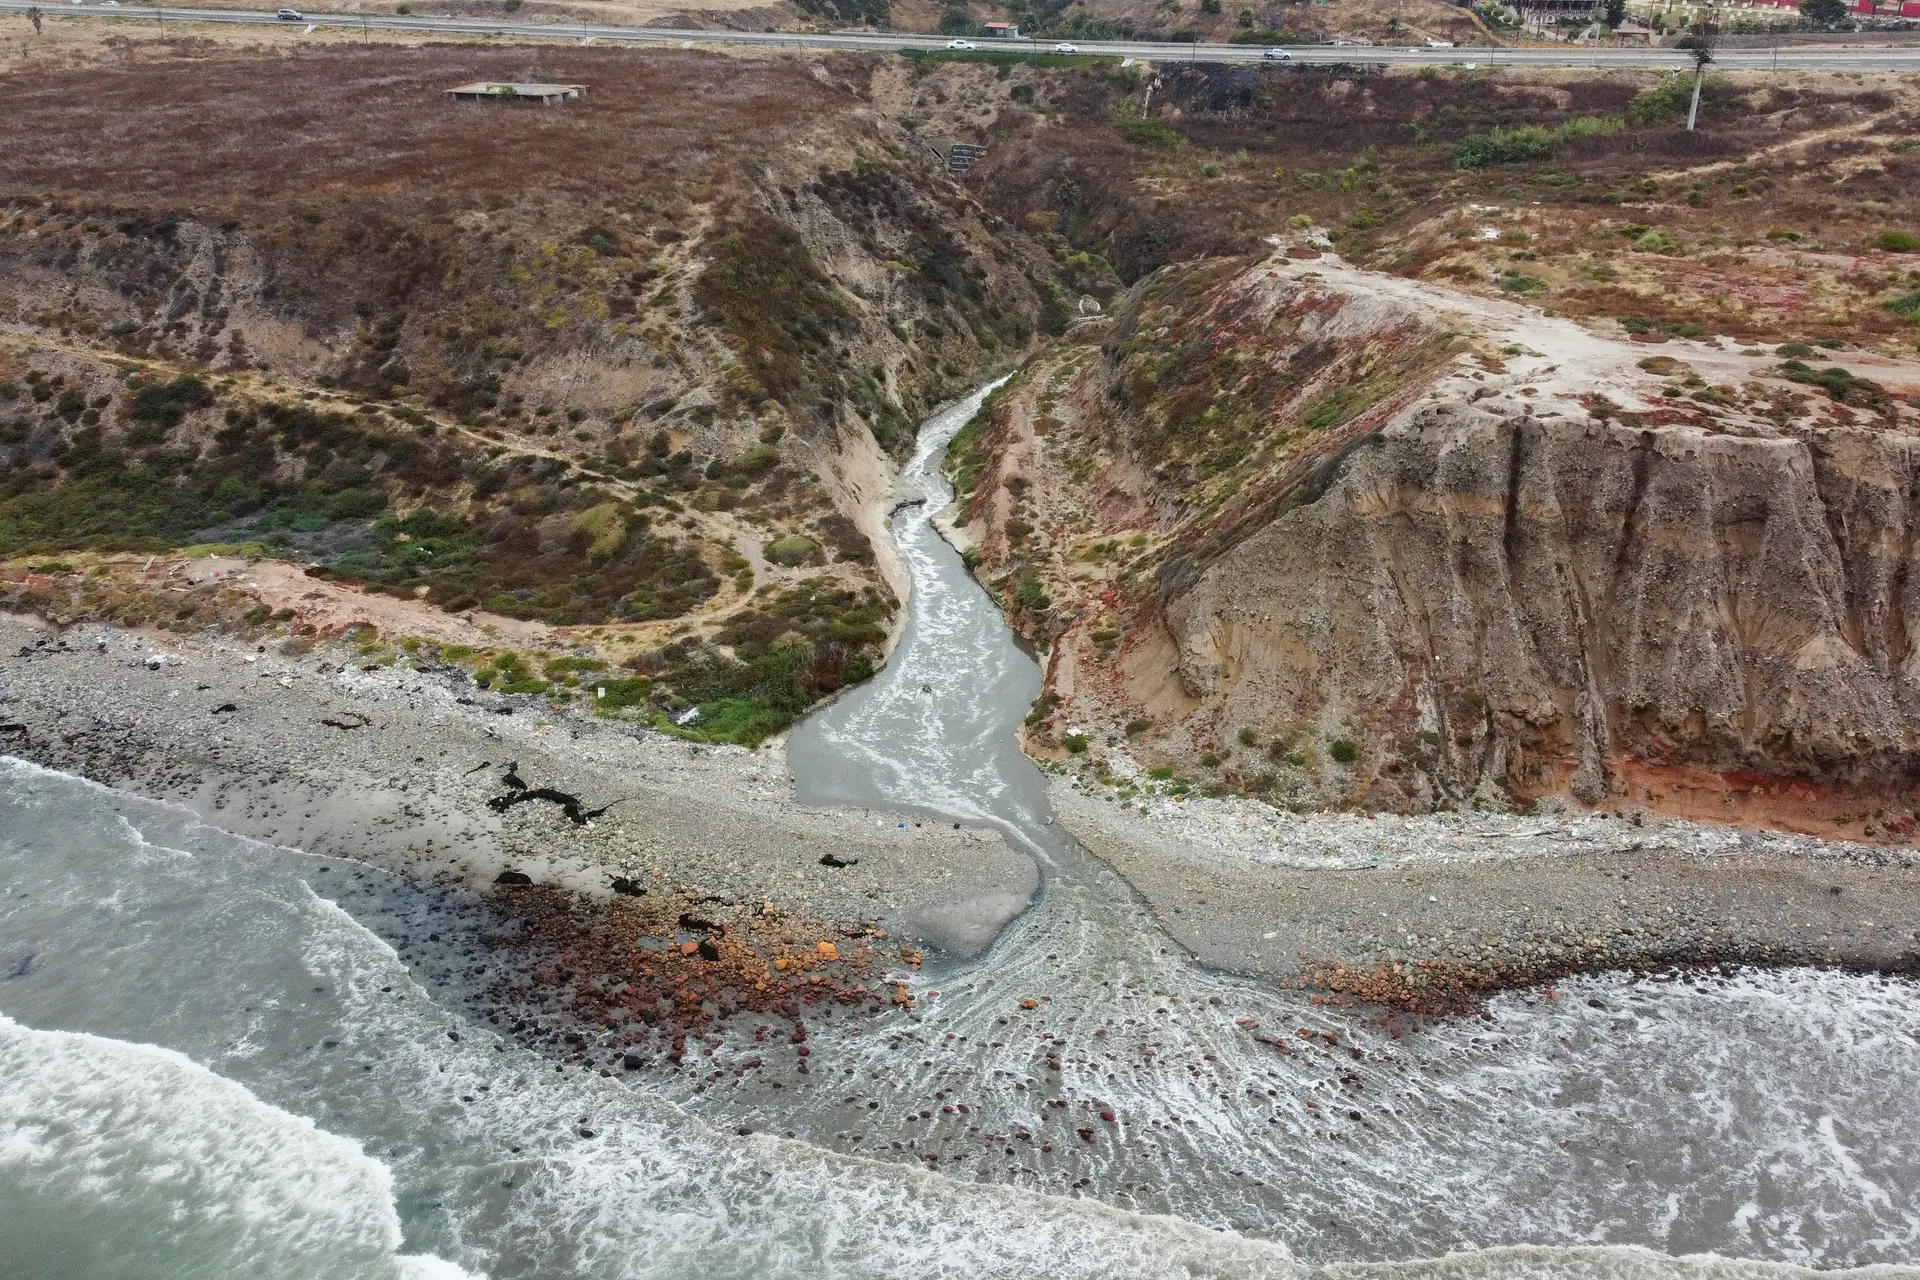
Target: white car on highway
x,y
1275,53
1064,47
960,44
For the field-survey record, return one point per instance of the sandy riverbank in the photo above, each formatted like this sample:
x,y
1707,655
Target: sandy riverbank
x,y
395,766
1431,911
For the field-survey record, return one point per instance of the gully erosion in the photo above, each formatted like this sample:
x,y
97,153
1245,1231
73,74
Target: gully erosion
x,y
1465,562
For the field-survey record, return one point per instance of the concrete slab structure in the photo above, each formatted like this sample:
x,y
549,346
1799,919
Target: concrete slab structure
x,y
495,91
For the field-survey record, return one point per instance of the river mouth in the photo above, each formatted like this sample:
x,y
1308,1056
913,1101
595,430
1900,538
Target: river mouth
x,y
1076,1096
1123,1070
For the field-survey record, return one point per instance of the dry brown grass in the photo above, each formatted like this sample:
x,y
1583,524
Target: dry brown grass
x,y
213,126
1246,149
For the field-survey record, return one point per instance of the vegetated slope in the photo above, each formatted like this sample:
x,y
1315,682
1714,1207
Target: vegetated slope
x,y
1580,190
620,365
1330,536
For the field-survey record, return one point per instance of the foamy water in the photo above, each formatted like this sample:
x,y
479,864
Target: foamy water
x,y
214,1065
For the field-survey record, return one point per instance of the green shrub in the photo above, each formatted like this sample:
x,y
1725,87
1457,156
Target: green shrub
x,y
356,504
1343,751
1906,306
1843,385
1793,349
1665,101
167,404
1526,286
1077,743
794,550
620,694
1530,142
1031,594
1502,146
744,722
1900,242
1143,131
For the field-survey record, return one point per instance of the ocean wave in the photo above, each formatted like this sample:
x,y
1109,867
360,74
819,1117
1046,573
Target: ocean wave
x,y
132,1160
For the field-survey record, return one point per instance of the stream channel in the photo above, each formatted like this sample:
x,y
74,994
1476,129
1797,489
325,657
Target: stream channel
x,y
244,1079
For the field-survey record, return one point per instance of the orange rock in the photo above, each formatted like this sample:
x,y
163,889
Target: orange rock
x,y
1029,1003
827,951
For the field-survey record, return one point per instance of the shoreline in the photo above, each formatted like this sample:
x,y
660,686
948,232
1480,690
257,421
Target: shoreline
x,y
1428,914
1435,913
649,862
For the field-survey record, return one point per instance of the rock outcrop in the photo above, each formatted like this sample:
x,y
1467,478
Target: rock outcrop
x,y
1517,560
1493,603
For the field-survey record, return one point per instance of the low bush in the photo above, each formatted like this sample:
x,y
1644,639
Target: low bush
x,y
1530,142
1843,385
1665,101
1144,131
1906,306
620,694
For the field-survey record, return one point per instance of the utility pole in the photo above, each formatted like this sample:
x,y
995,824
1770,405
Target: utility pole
x,y
1701,44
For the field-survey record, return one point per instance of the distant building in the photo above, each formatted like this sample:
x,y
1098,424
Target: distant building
x,y
1003,30
492,91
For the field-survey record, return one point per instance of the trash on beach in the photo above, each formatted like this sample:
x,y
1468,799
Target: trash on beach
x,y
687,717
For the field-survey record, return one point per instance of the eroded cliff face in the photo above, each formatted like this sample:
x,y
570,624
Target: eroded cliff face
x,y
1538,562
1489,603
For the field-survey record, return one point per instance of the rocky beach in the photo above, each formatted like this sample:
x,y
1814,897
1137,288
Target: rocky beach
x,y
405,767
1436,911
645,861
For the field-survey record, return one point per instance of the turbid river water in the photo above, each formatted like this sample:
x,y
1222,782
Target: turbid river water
x,y
211,1064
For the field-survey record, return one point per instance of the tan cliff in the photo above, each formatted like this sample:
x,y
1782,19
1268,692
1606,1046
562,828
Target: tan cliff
x,y
1515,559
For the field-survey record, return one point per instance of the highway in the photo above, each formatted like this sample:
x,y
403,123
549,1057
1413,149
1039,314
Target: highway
x,y
1786,58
